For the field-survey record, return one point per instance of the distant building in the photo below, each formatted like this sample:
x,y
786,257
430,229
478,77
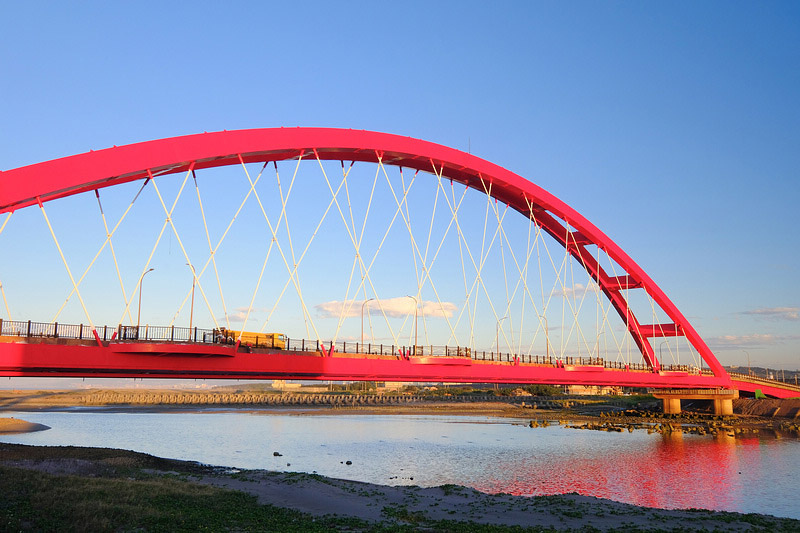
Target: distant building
x,y
592,390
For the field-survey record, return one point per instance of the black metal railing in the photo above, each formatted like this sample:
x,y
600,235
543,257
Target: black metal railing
x,y
148,333
765,381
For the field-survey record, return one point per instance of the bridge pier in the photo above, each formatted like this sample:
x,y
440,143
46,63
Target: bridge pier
x,y
722,398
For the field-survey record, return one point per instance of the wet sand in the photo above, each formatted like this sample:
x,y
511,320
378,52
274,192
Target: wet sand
x,y
319,496
445,508
15,425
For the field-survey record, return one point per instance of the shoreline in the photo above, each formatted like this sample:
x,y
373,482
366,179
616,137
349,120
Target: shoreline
x,y
11,426
592,413
374,507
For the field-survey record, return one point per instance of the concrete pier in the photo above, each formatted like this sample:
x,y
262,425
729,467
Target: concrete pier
x,y
722,398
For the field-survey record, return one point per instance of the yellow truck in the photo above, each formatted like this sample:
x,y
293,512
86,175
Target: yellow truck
x,y
249,338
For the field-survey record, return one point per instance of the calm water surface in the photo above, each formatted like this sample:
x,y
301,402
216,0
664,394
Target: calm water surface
x,y
748,474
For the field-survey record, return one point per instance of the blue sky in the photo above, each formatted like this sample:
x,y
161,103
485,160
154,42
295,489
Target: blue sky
x,y
671,126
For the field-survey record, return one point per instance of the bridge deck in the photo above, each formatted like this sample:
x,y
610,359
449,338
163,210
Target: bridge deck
x,y
82,355
171,360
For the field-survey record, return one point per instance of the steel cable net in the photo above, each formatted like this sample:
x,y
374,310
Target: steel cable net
x,y
369,255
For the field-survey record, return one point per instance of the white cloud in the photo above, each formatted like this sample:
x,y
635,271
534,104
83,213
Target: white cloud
x,y
393,307
776,313
239,314
577,290
748,341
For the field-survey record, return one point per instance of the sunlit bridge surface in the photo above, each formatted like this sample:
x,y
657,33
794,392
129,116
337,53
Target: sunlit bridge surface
x,y
322,254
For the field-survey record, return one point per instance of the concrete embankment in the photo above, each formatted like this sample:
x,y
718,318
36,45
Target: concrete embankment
x,y
99,398
767,407
23,400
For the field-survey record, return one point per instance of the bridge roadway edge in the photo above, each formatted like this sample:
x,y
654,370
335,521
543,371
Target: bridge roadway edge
x,y
166,360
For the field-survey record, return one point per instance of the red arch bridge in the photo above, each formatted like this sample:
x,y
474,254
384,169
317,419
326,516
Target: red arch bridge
x,y
327,254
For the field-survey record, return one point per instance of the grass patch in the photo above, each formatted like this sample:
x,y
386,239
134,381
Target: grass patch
x,y
118,490
36,501
42,502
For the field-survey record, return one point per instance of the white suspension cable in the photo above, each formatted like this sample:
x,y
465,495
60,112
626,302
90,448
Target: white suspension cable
x,y
183,250
273,231
66,266
415,247
302,256
219,242
211,252
355,244
158,239
113,253
2,290
102,247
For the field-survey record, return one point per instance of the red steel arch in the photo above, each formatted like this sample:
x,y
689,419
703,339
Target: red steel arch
x,y
58,178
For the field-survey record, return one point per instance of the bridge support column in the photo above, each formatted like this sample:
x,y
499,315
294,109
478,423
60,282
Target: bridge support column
x,y
723,406
672,406
722,398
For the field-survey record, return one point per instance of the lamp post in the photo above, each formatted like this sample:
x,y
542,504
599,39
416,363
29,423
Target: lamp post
x,y
416,324
661,359
546,335
139,314
191,307
749,373
497,336
362,319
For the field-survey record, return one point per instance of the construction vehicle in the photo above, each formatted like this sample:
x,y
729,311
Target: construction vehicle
x,y
249,338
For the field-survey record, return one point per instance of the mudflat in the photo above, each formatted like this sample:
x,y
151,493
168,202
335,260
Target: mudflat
x,y
15,425
164,490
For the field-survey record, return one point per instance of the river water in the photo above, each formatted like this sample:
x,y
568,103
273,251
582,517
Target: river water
x,y
743,474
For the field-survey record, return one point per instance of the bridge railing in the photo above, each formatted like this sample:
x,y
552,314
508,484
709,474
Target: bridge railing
x,y
148,333
763,381
166,334
18,328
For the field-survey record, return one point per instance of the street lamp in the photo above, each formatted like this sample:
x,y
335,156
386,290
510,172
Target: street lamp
x,y
139,314
191,307
497,336
660,357
547,335
416,324
362,319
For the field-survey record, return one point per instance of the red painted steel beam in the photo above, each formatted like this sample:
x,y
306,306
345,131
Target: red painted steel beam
x,y
768,390
58,178
622,283
660,330
561,235
190,362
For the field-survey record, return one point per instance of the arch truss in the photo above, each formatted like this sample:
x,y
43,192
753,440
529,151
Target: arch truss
x,y
476,214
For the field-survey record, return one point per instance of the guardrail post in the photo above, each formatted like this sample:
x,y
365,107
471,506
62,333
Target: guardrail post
x,y
55,329
105,332
1,326
29,329
119,331
172,333
80,332
195,334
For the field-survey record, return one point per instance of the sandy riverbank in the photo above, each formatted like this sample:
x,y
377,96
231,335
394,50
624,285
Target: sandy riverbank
x,y
15,425
444,508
